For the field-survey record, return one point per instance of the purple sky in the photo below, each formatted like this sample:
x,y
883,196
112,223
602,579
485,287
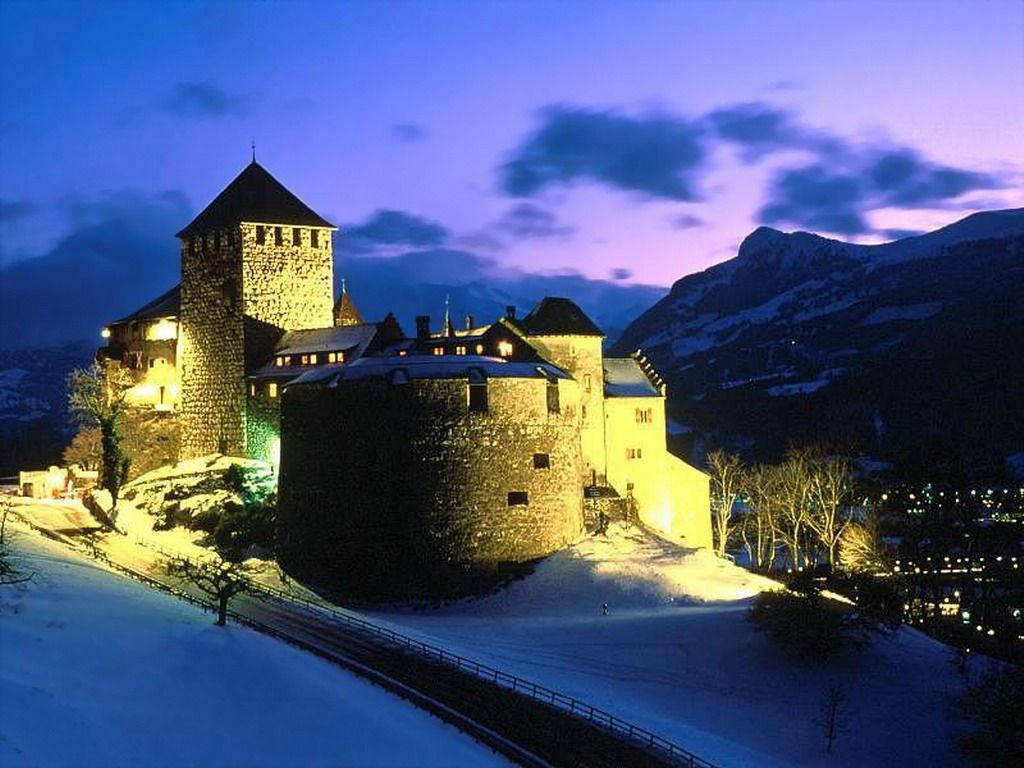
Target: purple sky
x,y
643,140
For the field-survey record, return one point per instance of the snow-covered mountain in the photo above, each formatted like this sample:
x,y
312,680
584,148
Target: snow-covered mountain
x,y
911,351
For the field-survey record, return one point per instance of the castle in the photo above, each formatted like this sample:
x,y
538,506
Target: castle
x,y
472,445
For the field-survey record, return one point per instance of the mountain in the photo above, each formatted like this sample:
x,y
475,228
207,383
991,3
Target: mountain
x,y
910,352
34,424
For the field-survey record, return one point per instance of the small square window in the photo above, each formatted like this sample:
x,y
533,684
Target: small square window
x,y
541,461
438,350
272,389
331,357
279,361
518,498
505,348
305,359
460,349
479,349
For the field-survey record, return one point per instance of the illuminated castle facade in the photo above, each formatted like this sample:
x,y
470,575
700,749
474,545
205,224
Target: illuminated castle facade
x,y
483,444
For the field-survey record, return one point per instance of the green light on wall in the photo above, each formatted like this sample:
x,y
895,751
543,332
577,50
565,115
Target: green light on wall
x,y
274,452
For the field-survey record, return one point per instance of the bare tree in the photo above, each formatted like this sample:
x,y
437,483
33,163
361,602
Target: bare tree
x,y
9,574
759,529
831,483
860,545
86,449
219,580
97,396
832,714
794,494
726,481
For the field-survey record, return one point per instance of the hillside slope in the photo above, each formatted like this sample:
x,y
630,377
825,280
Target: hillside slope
x,y
911,351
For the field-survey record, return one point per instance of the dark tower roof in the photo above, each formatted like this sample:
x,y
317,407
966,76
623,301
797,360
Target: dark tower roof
x,y
345,312
555,316
256,196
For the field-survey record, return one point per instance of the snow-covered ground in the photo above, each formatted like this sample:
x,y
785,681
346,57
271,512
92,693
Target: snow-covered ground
x,y
676,654
96,670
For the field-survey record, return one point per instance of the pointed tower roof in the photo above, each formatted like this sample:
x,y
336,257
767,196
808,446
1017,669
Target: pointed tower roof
x,y
345,312
254,196
557,316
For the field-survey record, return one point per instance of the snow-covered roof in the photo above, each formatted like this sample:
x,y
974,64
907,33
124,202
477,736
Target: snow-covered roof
x,y
352,339
430,367
623,377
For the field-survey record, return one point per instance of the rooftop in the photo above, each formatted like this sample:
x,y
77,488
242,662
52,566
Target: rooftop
x,y
165,305
624,377
254,196
556,316
431,367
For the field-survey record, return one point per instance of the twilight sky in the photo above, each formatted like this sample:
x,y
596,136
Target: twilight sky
x,y
630,142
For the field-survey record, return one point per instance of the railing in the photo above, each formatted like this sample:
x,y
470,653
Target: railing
x,y
536,691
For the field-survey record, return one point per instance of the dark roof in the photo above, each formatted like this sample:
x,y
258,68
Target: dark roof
x,y
256,196
555,316
345,312
165,305
430,367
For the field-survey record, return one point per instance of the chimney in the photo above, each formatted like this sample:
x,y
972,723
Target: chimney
x,y
469,322
422,327
510,311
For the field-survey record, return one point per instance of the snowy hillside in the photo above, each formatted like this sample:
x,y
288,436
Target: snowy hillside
x,y
676,654
899,350
99,671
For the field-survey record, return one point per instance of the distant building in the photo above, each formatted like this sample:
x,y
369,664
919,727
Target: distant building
x,y
470,445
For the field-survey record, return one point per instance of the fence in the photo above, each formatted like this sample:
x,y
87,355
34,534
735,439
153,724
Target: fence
x,y
536,691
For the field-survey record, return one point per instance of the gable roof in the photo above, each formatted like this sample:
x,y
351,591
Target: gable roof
x,y
165,305
256,196
353,339
557,316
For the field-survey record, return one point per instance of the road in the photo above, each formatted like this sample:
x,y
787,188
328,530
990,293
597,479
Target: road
x,y
527,731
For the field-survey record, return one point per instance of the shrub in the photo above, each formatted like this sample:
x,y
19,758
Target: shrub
x,y
802,625
207,520
243,526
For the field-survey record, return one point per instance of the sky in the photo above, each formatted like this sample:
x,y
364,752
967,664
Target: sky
x,y
627,143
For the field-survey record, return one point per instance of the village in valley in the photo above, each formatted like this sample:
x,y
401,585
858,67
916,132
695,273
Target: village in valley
x,y
319,492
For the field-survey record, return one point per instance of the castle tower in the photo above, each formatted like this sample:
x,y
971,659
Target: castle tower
x,y
563,334
256,262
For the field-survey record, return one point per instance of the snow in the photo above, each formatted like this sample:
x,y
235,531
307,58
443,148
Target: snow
x,y
98,670
677,655
906,312
799,388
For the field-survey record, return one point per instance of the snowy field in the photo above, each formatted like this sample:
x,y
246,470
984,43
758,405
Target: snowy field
x,y
96,670
676,654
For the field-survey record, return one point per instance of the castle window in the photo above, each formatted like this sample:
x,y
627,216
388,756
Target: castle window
x,y
296,236
479,349
553,397
460,349
331,357
305,359
252,390
518,498
314,239
505,348
312,359
541,461
438,350
272,389
478,397
586,382
261,235
278,236
279,361
634,453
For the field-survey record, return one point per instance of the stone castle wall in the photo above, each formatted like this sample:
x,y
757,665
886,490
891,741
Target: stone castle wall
x,y
237,297
398,490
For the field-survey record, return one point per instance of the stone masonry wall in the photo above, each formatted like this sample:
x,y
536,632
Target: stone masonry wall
x,y
391,491
237,297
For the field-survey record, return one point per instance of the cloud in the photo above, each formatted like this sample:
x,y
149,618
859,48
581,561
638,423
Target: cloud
x,y
119,253
16,210
621,273
202,99
901,178
816,198
389,228
526,220
687,221
656,155
408,132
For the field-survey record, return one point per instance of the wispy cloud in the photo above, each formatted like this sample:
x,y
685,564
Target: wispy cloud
x,y
202,99
408,133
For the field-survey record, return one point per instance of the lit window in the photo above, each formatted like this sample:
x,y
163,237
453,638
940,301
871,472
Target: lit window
x,y
460,349
505,348
541,461
272,389
305,359
402,353
341,357
518,498
479,349
279,361
331,357
314,238
438,350
252,390
312,359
